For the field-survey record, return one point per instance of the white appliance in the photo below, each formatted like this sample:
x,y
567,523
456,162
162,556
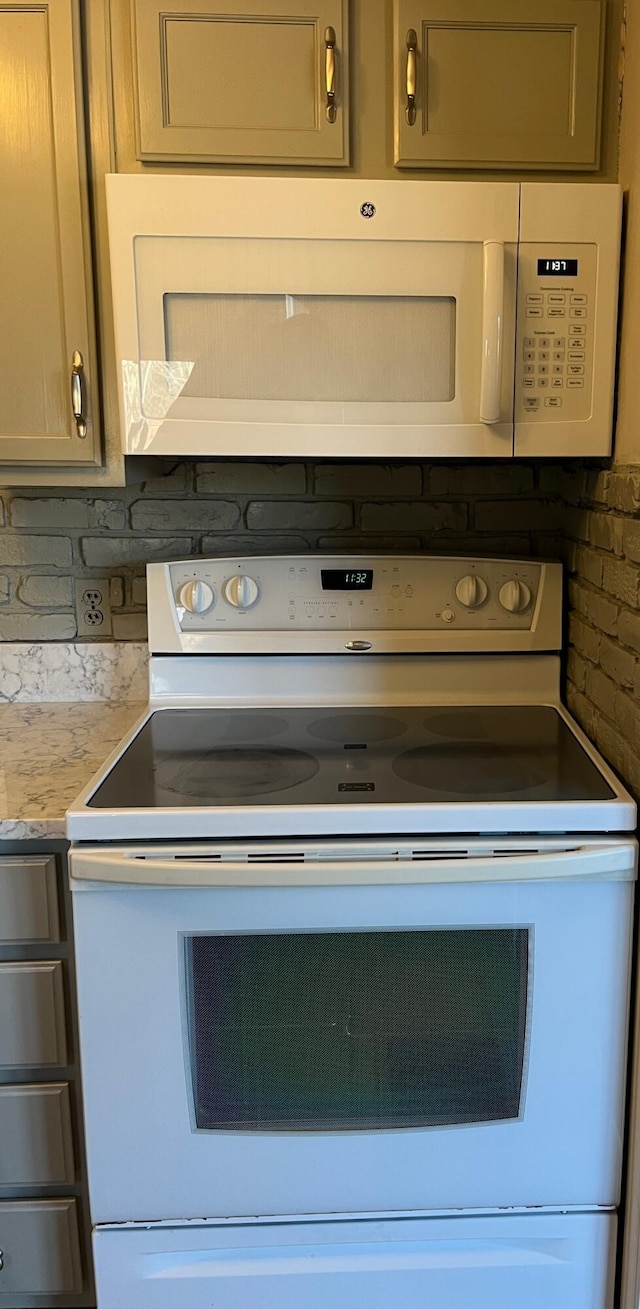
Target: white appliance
x,y
268,317
353,965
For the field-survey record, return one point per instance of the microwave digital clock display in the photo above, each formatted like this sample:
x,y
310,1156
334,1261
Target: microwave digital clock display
x,y
347,579
557,268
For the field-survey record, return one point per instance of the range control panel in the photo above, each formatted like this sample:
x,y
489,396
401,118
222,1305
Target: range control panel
x,y
555,333
342,593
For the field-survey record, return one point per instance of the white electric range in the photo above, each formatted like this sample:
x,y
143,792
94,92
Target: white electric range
x,y
353,909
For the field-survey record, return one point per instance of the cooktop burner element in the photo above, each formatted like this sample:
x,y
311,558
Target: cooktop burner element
x,y
208,757
226,774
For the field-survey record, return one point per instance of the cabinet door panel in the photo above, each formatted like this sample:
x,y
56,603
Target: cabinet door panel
x,y
245,82
32,1026
45,295
36,1146
28,900
515,85
40,1249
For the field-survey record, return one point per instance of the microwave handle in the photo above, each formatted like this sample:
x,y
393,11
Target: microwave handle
x,y
492,331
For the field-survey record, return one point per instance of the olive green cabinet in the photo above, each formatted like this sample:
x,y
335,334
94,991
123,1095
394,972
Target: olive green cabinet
x,y
247,80
483,84
498,83
47,347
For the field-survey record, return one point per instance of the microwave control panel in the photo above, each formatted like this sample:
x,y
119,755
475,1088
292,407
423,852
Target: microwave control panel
x,y
555,331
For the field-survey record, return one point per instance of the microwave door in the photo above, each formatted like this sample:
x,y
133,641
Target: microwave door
x,y
348,360
257,348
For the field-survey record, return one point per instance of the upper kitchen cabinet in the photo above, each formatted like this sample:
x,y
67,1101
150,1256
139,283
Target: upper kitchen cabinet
x,y
48,400
498,83
255,81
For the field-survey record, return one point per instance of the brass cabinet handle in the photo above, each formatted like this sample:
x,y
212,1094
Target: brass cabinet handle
x,y
330,73
412,62
77,394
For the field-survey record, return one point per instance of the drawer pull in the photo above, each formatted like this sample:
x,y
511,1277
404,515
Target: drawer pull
x,y
330,73
77,394
412,50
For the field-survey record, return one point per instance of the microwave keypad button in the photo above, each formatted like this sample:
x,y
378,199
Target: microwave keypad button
x,y
528,382
575,382
558,369
556,298
575,370
542,382
544,342
529,343
559,342
543,368
578,329
529,355
553,401
577,343
556,383
535,299
529,368
576,356
534,312
532,402
578,313
558,355
556,313
543,356
578,299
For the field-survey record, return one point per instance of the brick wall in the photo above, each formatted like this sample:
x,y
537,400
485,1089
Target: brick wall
x,y
602,532
50,538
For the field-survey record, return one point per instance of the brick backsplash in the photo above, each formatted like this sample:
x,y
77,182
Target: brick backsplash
x,y
49,538
602,554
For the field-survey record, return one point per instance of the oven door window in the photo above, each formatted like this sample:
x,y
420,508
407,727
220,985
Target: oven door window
x,y
356,1030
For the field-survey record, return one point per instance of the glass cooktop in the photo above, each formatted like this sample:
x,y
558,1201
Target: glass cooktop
x,y
198,758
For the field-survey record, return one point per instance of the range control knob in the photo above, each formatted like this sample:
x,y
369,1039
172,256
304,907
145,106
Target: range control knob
x,y
472,591
197,597
241,592
515,596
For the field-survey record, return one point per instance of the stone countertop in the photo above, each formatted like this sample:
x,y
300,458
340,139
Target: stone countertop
x,y
48,753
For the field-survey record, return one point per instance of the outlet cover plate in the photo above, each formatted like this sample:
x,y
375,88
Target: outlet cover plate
x,y
93,610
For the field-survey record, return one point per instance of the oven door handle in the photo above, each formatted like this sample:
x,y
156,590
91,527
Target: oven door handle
x,y
607,862
492,331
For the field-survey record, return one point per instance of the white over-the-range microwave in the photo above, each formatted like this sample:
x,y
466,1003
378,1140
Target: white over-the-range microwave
x,y
268,318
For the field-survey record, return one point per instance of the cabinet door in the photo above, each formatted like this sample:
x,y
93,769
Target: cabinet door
x,y
250,81
500,84
32,1026
36,1145
40,1249
45,288
28,899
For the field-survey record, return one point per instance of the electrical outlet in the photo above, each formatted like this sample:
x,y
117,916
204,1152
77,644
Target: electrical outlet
x,y
93,610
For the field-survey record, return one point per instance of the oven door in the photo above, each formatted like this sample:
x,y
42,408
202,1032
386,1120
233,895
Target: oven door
x,y
258,318
271,1035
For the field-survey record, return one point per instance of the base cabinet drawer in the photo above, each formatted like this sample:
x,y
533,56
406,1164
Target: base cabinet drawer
x,y
28,900
36,1142
40,1248
32,1024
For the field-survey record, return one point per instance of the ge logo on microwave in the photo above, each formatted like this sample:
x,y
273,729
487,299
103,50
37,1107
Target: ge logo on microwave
x,y
367,209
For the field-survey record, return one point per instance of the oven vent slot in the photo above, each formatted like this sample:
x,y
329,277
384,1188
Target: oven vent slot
x,y
189,858
288,857
424,856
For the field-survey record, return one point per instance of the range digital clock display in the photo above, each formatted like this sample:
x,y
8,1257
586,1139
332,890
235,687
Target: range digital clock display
x,y
347,579
557,268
